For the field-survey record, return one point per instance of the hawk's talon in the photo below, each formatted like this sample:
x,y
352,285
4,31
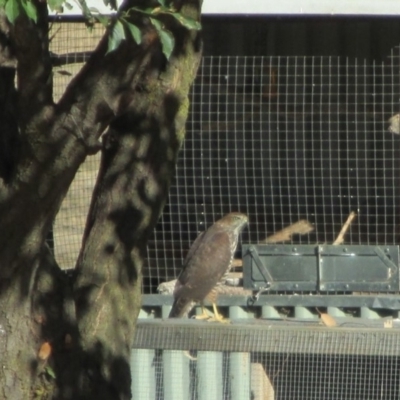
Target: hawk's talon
x,y
220,319
203,315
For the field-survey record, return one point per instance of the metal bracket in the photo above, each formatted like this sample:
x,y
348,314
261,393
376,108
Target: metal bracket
x,y
254,298
261,267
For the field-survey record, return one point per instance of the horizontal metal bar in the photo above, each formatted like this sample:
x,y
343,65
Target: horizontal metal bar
x,y
387,302
282,7
302,7
363,338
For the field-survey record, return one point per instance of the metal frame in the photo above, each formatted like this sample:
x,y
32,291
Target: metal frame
x,y
378,301
289,336
162,368
325,268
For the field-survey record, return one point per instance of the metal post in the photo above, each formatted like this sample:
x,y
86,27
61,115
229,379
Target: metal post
x,y
304,312
143,374
176,375
209,372
176,370
239,367
336,312
369,313
143,369
269,312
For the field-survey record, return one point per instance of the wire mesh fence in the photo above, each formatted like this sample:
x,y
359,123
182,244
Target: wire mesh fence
x,y
283,139
71,44
194,360
293,376
278,138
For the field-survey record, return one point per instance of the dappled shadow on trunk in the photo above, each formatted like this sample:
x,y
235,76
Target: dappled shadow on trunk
x,y
76,332
139,154
138,162
68,370
80,375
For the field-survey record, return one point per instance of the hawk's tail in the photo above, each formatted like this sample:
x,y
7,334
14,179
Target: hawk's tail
x,y
181,307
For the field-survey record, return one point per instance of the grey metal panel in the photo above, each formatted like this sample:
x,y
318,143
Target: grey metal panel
x,y
355,336
323,268
358,268
280,267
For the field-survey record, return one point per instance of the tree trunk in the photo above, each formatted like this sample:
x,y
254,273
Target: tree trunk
x,y
70,337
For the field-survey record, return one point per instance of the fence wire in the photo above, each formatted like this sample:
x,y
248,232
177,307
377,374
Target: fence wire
x,y
284,139
303,364
278,138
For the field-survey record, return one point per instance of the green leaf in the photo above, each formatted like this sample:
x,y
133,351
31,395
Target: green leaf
x,y
188,23
162,2
12,10
166,38
167,42
157,24
134,31
103,19
30,10
56,5
50,371
95,14
116,36
2,3
85,12
68,6
139,10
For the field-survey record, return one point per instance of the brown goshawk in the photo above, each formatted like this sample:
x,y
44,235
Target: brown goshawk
x,y
208,261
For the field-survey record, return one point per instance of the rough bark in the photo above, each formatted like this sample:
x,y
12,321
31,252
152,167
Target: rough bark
x,y
87,319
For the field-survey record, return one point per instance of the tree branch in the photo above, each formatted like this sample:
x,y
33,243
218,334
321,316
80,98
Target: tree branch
x,y
105,87
34,69
138,161
56,139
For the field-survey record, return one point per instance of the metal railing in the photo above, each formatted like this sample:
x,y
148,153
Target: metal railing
x,y
283,357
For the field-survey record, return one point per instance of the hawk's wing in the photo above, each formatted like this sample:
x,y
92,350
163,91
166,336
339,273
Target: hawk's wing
x,y
193,248
208,260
